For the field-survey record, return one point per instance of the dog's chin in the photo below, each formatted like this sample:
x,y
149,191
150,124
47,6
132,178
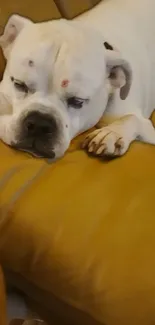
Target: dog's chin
x,y
35,152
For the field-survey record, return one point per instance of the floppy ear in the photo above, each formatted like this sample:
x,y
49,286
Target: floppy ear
x,y
119,72
13,27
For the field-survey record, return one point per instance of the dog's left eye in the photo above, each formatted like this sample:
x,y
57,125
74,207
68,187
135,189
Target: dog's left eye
x,y
20,86
75,102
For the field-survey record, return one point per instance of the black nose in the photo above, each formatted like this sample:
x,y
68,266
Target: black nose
x,y
38,124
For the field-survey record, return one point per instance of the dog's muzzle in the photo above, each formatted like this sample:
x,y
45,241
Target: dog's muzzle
x,y
38,133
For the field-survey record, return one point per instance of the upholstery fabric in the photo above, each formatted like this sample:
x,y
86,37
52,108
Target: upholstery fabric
x,y
83,230
70,8
3,319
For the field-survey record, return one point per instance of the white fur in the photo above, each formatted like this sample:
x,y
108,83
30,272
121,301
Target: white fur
x,y
74,50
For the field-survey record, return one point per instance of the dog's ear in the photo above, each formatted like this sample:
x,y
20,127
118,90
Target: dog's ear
x,y
119,72
13,27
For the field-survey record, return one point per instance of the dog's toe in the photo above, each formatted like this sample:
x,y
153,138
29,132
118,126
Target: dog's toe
x,y
105,143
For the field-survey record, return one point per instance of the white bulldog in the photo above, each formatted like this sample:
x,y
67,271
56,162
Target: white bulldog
x,y
61,77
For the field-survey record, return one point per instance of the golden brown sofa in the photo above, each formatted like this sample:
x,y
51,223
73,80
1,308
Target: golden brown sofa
x,y
2,300
78,236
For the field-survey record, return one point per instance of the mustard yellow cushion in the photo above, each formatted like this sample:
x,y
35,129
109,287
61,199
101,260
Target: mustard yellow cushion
x,y
72,8
83,230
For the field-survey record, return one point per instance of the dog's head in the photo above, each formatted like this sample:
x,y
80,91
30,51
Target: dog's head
x,y
57,79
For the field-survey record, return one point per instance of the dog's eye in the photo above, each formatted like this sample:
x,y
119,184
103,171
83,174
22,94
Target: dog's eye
x,y
75,102
20,86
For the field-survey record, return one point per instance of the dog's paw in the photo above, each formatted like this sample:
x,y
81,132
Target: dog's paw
x,y
106,142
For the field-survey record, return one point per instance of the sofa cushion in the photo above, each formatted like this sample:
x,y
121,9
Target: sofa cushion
x,y
70,8
82,230
39,11
2,300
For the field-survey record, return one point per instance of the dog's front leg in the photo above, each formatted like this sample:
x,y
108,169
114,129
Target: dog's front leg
x,y
114,139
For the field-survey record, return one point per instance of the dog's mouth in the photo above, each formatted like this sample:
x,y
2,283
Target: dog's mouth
x,y
33,150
